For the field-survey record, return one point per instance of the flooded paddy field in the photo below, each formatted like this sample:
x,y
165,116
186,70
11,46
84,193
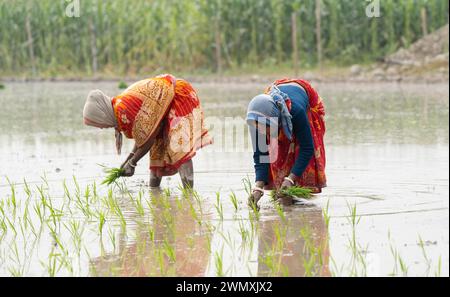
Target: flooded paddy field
x,y
385,210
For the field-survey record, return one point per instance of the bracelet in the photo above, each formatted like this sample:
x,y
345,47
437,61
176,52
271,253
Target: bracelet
x,y
289,180
256,189
129,162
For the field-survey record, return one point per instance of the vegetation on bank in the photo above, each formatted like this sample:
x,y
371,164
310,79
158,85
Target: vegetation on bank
x,y
203,36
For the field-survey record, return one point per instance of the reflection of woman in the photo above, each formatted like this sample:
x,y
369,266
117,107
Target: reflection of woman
x,y
297,156
172,227
163,116
302,250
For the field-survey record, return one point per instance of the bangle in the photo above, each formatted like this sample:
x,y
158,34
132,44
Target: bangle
x,y
131,164
256,189
290,180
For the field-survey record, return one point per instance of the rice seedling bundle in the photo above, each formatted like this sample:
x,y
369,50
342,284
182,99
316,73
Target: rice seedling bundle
x,y
293,192
112,174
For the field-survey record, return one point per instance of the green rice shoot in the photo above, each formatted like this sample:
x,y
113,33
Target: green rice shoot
x,y
112,174
293,192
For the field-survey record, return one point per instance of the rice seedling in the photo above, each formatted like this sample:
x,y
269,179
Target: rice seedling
x,y
13,196
254,214
439,268
357,251
151,233
312,255
425,256
158,254
247,186
292,192
18,269
234,201
219,263
243,232
167,192
76,232
52,267
112,237
2,86
193,213
138,203
112,174
3,228
114,206
271,259
94,192
11,226
179,203
326,214
39,212
403,266
101,221
280,212
169,251
227,238
218,206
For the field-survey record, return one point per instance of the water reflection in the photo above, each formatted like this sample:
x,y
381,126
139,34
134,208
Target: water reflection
x,y
171,243
180,239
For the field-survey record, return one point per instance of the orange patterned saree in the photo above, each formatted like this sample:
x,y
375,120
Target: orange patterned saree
x,y
314,175
167,109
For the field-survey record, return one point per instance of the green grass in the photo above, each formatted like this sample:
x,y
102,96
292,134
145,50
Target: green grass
x,y
2,86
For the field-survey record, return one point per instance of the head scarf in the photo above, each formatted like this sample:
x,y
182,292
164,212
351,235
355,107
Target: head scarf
x,y
98,112
269,108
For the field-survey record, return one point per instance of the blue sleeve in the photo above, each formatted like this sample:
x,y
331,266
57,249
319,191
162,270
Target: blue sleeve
x,y
302,132
261,166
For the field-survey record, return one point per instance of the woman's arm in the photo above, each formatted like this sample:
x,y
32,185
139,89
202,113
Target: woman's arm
x,y
133,159
260,156
129,156
141,151
260,159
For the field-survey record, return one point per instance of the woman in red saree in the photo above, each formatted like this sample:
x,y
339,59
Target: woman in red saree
x,y
287,126
164,117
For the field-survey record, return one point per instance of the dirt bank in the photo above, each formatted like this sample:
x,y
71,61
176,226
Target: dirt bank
x,y
425,60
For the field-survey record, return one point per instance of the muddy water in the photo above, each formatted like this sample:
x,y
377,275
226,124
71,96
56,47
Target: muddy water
x,y
387,155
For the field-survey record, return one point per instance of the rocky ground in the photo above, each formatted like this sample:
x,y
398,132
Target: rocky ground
x,y
425,60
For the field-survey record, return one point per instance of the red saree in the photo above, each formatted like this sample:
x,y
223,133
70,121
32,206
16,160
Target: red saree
x,y
169,110
314,174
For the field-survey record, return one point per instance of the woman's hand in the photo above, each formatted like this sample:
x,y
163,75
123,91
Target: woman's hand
x,y
288,182
254,198
128,169
131,155
256,195
286,185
